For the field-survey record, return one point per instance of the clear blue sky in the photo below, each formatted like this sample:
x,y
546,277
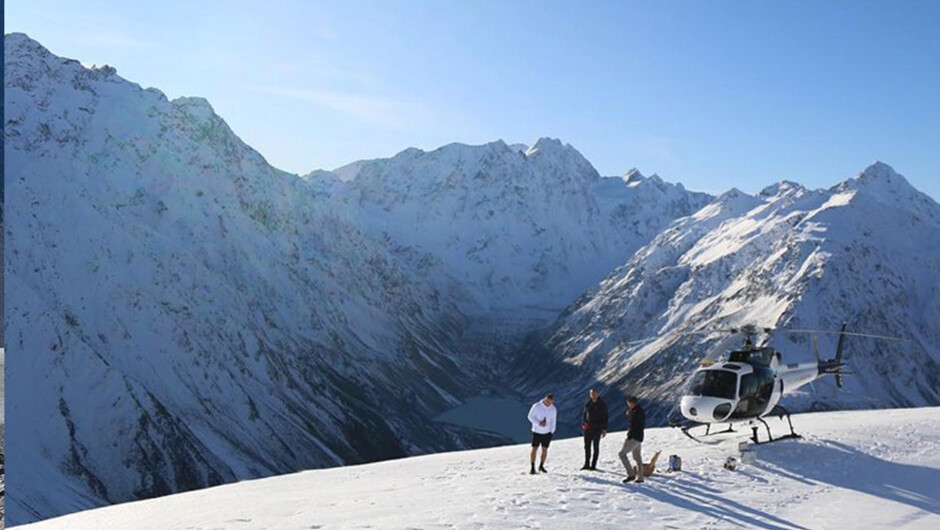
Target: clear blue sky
x,y
711,94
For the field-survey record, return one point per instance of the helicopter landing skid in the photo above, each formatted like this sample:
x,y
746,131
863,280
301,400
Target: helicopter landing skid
x,y
688,426
708,427
780,412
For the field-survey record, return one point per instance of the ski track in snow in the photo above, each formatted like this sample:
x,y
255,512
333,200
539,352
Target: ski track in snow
x,y
871,469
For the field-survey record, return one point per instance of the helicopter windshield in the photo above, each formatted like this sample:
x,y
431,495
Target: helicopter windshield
x,y
715,383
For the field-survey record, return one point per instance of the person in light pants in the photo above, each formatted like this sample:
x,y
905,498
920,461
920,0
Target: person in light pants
x,y
637,419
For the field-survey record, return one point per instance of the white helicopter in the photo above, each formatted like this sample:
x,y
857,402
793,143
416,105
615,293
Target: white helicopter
x,y
748,386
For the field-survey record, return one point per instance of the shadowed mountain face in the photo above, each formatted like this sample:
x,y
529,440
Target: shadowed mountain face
x,y
182,314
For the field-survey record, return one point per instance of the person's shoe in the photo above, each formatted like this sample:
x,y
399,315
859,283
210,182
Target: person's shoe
x,y
593,468
542,469
629,479
532,470
639,481
585,467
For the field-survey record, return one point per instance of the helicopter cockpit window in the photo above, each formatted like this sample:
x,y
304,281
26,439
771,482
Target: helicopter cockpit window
x,y
715,383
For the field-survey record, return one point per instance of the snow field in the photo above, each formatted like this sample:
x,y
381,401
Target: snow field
x,y
863,469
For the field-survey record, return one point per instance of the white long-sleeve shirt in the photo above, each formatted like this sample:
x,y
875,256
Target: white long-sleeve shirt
x,y
540,412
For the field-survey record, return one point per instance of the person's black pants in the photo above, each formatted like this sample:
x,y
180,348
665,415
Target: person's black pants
x,y
592,437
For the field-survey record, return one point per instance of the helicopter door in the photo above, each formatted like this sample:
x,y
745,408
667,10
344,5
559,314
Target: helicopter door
x,y
757,389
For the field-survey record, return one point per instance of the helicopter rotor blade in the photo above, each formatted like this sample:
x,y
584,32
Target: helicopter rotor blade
x,y
850,333
768,330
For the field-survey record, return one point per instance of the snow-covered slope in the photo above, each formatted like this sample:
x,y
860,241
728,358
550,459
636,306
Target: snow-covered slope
x,y
180,314
199,316
866,252
524,231
862,470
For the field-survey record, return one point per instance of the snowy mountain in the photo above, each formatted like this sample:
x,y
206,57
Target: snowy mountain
x,y
866,252
853,470
180,307
524,231
180,314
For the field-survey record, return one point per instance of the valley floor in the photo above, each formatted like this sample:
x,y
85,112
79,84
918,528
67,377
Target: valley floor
x,y
867,469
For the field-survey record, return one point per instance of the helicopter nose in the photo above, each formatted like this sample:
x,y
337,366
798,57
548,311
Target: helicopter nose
x,y
705,409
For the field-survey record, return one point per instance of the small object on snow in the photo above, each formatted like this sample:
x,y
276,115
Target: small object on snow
x,y
731,463
675,463
748,453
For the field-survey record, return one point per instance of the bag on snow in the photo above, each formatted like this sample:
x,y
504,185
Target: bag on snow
x,y
675,463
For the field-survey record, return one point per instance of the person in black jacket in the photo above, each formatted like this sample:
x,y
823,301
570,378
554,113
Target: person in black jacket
x,y
594,425
637,419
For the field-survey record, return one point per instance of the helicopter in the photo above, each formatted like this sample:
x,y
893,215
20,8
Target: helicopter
x,y
748,386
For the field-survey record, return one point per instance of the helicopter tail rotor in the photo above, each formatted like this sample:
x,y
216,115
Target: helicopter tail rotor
x,y
833,366
838,358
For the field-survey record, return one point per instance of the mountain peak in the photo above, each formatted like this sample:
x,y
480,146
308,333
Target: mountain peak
x,y
21,40
881,182
633,176
732,194
545,144
880,178
22,46
409,153
780,187
878,170
195,106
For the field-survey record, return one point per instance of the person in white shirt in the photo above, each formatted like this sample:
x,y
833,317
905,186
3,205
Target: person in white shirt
x,y
542,416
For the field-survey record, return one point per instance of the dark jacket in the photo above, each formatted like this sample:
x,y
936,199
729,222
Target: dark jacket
x,y
637,419
595,415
